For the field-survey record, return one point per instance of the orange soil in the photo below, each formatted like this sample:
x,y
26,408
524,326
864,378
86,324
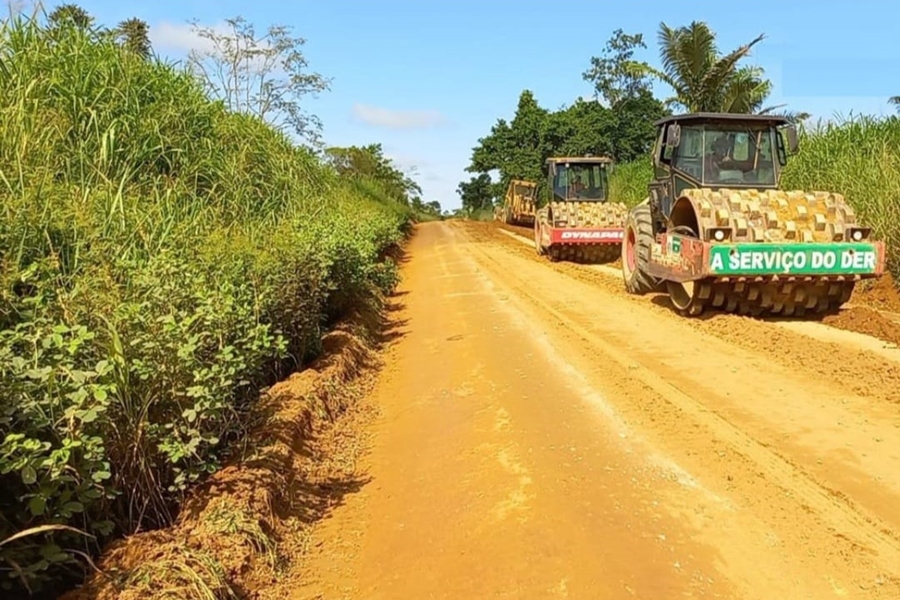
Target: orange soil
x,y
538,433
545,435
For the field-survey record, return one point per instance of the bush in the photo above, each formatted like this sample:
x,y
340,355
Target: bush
x,y
162,261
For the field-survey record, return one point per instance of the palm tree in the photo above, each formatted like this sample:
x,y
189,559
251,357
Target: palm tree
x,y
895,100
704,81
135,36
71,13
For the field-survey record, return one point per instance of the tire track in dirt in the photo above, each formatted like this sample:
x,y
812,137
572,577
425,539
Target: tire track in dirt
x,y
489,482
858,388
759,331
873,310
827,507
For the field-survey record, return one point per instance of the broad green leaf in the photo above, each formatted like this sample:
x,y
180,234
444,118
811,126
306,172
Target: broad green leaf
x,y
36,505
29,475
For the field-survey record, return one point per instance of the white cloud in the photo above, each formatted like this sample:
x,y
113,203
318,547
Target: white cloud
x,y
396,119
180,37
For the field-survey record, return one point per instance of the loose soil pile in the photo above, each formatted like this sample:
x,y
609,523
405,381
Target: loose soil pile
x,y
882,294
875,310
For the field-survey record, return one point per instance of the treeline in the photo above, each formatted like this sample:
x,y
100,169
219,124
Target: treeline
x,y
166,252
619,121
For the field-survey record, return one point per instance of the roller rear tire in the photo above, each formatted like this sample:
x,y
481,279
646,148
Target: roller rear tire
x,y
636,252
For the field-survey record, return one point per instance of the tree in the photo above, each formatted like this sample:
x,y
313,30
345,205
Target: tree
x,y
262,75
70,14
703,80
134,35
585,127
700,78
613,80
633,132
628,93
513,148
428,208
369,162
518,149
895,100
477,193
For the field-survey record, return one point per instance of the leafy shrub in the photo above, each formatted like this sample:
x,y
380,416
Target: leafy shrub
x,y
161,260
629,182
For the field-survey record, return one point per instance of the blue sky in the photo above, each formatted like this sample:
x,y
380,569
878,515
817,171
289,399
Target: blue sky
x,y
428,78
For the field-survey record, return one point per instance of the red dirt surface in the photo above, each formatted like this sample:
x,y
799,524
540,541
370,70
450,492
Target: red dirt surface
x,y
862,319
536,432
882,294
873,310
545,435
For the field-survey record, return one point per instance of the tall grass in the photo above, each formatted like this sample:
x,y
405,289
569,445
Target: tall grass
x,y
858,157
628,182
161,260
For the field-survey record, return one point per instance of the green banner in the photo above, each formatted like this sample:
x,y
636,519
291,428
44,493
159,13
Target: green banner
x,y
793,259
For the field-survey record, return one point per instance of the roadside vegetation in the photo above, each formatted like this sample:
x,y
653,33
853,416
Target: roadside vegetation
x,y
858,157
164,257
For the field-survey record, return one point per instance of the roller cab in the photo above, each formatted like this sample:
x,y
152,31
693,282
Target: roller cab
x,y
579,222
717,232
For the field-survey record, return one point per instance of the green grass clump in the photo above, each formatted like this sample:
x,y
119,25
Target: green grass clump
x,y
628,182
161,260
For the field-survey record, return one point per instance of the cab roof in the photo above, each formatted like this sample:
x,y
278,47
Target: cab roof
x,y
579,159
710,117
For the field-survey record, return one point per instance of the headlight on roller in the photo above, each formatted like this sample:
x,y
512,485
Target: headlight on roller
x,y
858,234
718,234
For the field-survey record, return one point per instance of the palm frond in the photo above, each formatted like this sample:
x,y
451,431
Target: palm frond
x,y
698,49
668,43
724,67
744,92
794,116
768,110
641,68
685,54
701,79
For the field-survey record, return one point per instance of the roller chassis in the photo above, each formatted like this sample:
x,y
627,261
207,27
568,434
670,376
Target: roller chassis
x,y
596,241
579,223
518,205
789,279
746,250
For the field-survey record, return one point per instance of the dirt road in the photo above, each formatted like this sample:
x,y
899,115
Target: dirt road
x,y
544,435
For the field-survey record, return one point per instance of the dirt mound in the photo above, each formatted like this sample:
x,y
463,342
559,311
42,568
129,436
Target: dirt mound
x,y
881,294
863,319
223,543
